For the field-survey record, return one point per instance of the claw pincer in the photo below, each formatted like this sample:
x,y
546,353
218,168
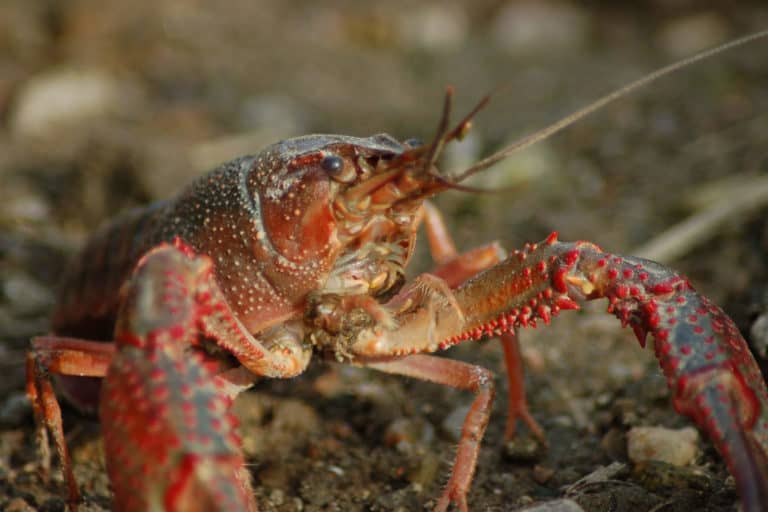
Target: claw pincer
x,y
168,432
713,376
711,372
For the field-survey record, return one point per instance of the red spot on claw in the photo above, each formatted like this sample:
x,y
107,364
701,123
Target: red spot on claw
x,y
558,280
571,257
564,302
661,288
543,312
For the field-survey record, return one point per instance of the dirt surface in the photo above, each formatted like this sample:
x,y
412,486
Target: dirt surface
x,y
105,106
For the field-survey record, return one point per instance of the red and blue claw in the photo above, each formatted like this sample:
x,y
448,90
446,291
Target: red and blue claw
x,y
169,435
709,368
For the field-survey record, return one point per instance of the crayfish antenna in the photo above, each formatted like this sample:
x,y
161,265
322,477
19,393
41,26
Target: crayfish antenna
x,y
439,140
444,135
557,126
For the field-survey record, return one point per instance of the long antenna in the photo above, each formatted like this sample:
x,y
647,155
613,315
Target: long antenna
x,y
555,127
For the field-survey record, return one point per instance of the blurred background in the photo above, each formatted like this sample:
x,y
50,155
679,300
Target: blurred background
x,y
108,105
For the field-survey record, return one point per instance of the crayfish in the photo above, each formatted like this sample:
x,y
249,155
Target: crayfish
x,y
300,251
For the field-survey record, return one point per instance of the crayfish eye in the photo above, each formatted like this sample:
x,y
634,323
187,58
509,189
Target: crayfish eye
x,y
413,142
337,168
332,164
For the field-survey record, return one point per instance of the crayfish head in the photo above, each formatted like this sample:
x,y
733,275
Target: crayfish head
x,y
376,188
341,208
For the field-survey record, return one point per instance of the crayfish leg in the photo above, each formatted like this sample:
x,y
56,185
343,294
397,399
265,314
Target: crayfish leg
x,y
66,357
517,404
460,375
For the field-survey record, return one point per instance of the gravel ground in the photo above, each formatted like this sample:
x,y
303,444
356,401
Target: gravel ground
x,y
104,106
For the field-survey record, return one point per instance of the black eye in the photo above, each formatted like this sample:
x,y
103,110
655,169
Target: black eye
x,y
414,142
332,164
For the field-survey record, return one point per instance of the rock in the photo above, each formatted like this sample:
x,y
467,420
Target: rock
x,y
15,409
27,295
523,449
18,505
409,435
690,34
435,27
614,443
562,505
601,474
454,421
66,97
659,476
676,447
541,26
542,474
759,335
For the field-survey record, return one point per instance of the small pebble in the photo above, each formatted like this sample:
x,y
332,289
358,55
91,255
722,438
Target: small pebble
x,y
436,27
542,474
277,497
67,97
614,443
676,447
523,449
541,26
27,295
602,474
759,335
659,476
15,409
18,505
690,34
562,505
407,435
455,420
